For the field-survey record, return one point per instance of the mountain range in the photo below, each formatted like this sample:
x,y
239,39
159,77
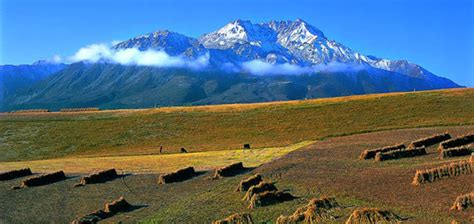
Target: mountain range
x,y
243,62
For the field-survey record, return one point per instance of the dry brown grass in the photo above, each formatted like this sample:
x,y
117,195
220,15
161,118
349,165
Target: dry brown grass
x,y
463,202
88,109
372,215
238,218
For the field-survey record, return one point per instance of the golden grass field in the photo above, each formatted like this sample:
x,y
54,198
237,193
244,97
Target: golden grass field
x,y
157,163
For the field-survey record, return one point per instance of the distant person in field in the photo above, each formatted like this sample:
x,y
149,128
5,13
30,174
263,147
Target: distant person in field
x,y
161,148
183,150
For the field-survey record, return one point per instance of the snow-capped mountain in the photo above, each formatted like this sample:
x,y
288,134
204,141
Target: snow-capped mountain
x,y
282,45
277,42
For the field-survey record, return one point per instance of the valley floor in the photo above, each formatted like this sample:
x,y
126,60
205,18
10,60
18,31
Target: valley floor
x,y
328,167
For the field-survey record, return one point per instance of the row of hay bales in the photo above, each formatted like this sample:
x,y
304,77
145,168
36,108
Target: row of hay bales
x,y
42,179
317,211
98,177
79,109
463,202
430,140
110,209
371,153
12,174
30,111
440,172
456,142
402,153
464,150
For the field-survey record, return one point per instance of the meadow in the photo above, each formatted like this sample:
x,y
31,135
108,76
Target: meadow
x,y
225,127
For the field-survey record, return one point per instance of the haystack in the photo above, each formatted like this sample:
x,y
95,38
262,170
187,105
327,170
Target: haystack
x,y
316,210
455,142
445,171
98,177
397,154
463,202
238,218
79,109
456,151
370,154
269,198
244,185
257,189
91,218
429,141
110,209
43,179
12,174
177,176
230,170
372,215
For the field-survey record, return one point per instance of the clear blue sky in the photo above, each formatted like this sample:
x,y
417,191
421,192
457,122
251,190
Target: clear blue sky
x,y
437,34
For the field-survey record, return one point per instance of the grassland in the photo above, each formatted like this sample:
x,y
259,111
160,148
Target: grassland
x,y
215,128
157,163
328,167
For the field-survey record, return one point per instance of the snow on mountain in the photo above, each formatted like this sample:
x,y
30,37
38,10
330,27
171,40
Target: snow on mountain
x,y
275,42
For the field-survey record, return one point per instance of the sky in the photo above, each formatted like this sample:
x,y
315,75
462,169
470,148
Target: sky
x,y
436,34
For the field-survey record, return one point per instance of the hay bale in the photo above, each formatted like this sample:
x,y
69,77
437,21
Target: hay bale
x,y
257,189
445,171
116,206
79,109
43,179
110,209
245,184
229,170
370,154
177,176
455,142
91,218
98,177
12,174
372,215
463,202
269,198
456,151
316,210
31,111
429,141
238,218
397,154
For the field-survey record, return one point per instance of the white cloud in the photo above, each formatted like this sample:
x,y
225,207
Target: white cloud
x,y
132,56
258,67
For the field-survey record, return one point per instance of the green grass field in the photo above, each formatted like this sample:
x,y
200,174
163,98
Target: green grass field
x,y
211,128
